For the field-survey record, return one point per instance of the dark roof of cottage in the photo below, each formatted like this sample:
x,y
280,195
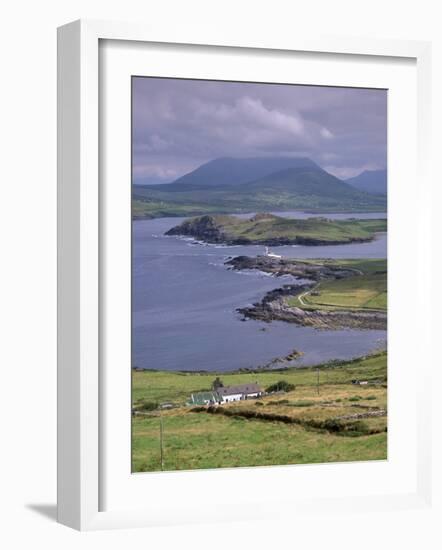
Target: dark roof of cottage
x,y
242,388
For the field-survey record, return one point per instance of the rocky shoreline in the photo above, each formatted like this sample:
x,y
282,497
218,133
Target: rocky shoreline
x,y
281,362
296,268
274,306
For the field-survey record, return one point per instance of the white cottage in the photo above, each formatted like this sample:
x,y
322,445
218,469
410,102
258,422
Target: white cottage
x,y
236,393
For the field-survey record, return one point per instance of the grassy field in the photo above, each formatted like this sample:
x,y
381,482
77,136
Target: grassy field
x,y
263,228
367,290
148,209
315,422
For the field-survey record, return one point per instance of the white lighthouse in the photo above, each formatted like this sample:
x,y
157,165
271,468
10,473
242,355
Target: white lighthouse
x,y
271,254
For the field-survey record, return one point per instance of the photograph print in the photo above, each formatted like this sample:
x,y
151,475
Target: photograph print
x,y
259,274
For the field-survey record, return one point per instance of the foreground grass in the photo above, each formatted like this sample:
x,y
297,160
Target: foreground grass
x,y
195,440
208,441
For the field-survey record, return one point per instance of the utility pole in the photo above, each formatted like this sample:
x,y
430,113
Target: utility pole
x,y
161,441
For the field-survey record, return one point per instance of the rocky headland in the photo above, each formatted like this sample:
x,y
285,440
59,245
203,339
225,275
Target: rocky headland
x,y
312,270
270,230
275,305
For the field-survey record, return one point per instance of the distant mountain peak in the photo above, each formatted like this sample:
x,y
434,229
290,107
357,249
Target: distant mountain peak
x,y
370,181
235,171
230,185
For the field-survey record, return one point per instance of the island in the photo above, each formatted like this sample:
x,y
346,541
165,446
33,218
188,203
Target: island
x,y
270,230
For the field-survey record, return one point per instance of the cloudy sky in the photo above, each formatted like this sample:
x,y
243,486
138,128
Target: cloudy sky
x,y
180,124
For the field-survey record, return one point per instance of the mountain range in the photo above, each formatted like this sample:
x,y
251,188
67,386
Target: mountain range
x,y
232,185
371,181
236,171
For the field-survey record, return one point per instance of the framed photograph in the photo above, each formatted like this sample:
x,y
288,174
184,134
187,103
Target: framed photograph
x,y
234,276
281,257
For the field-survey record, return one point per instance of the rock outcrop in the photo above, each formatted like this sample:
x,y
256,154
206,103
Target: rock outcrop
x,y
273,307
296,268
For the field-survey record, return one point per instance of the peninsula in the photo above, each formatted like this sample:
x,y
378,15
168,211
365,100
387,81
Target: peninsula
x,y
337,294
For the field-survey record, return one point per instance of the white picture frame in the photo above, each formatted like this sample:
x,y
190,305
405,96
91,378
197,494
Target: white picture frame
x,y
80,394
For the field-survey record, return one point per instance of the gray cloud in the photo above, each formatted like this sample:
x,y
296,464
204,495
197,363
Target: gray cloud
x,y
180,124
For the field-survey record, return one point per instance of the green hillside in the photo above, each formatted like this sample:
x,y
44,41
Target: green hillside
x,y
304,188
274,230
325,417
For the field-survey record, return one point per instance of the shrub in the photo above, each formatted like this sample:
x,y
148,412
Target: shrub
x,y
370,397
217,383
259,403
280,402
355,398
354,428
146,406
282,385
302,404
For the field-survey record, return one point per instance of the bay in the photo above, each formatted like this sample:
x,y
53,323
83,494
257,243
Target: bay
x,y
184,303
